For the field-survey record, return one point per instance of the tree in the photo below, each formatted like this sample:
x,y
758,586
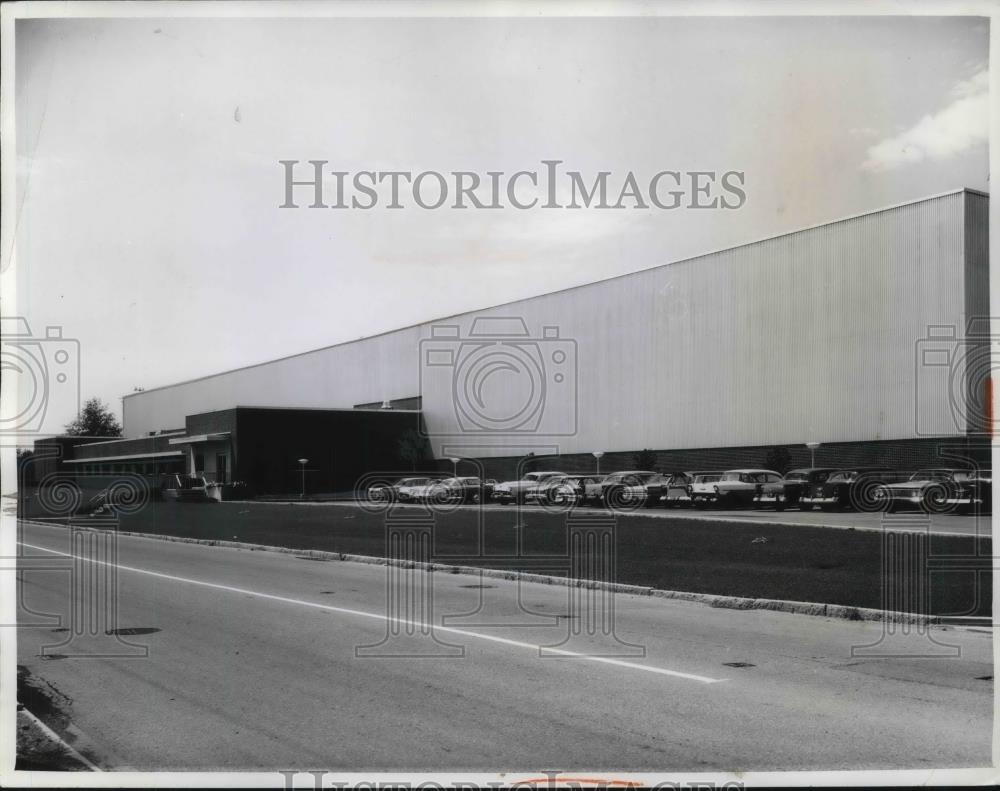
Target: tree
x,y
778,459
645,459
413,447
94,420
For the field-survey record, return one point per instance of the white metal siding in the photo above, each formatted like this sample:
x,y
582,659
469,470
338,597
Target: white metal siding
x,y
808,336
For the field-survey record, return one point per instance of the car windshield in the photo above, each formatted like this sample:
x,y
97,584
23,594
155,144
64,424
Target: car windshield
x,y
413,482
707,478
844,476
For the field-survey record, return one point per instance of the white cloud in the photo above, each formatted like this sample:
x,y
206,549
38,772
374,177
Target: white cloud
x,y
961,125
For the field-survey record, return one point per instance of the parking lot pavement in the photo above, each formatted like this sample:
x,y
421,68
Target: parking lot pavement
x,y
910,521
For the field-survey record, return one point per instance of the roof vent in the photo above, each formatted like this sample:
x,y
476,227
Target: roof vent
x,y
386,404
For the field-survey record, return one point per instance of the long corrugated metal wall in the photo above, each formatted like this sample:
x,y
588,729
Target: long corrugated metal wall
x,y
814,335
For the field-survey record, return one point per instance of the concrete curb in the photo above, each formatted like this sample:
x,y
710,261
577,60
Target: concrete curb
x,y
56,739
712,600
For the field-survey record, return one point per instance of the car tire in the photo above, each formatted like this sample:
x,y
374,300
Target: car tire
x,y
934,500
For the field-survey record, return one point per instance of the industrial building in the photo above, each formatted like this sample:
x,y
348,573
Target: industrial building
x,y
854,334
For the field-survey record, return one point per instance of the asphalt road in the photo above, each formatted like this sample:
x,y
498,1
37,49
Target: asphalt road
x,y
246,659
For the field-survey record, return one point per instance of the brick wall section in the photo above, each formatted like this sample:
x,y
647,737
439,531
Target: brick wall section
x,y
896,454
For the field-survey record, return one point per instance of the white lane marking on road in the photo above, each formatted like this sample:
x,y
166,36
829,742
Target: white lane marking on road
x,y
383,617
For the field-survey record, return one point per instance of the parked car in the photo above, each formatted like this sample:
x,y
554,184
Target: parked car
x,y
631,489
677,489
592,488
554,490
939,491
787,493
457,490
701,490
852,488
585,486
740,487
410,490
517,491
388,492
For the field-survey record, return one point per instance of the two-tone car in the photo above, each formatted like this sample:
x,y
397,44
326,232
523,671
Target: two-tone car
x,y
852,488
787,493
939,491
517,491
701,490
736,487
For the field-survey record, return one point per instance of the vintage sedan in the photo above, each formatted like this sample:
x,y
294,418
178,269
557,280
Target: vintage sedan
x,y
388,492
631,489
517,491
675,492
410,490
940,491
457,490
852,488
787,493
738,487
554,490
701,490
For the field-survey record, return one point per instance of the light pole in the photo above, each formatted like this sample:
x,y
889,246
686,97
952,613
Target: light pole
x,y
597,455
303,463
812,452
454,465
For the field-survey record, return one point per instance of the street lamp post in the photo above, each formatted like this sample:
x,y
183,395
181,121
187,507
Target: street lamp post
x,y
303,463
454,465
812,452
597,455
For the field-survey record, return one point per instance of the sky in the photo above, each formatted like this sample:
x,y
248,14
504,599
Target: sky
x,y
148,223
